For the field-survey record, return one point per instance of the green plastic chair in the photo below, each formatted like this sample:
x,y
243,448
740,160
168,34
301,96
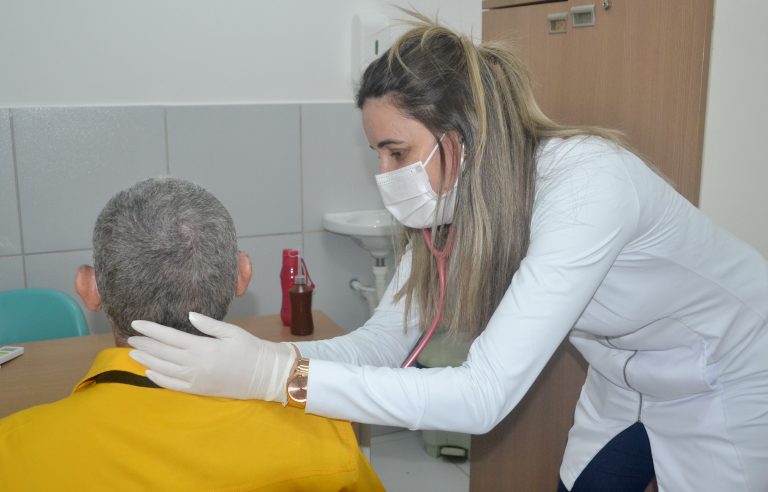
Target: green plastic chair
x,y
27,315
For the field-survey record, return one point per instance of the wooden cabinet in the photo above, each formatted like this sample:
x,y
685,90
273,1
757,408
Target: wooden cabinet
x,y
523,453
642,69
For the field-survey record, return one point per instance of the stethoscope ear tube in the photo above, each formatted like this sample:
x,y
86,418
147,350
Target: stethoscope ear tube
x,y
442,259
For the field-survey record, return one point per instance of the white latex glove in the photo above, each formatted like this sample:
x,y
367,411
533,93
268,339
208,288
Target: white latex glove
x,y
234,364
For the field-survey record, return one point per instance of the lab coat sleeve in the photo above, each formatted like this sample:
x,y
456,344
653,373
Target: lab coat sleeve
x,y
382,340
584,214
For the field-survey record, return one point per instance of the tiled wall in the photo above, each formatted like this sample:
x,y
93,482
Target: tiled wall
x,y
276,167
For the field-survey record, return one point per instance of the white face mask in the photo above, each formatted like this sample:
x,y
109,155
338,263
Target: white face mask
x,y
409,197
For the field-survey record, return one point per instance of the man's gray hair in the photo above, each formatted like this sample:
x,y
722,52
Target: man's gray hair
x,y
162,248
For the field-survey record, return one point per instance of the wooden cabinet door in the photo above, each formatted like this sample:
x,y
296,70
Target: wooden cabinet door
x,y
641,69
523,453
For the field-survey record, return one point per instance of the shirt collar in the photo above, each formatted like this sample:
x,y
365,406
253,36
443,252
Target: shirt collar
x,y
111,359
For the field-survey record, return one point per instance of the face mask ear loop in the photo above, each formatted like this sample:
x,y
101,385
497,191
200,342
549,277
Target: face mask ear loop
x,y
426,162
442,258
432,154
459,173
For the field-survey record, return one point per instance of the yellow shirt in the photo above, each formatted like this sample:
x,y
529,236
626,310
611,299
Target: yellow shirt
x,y
115,436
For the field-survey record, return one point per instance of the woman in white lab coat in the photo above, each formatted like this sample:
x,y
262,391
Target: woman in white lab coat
x,y
551,231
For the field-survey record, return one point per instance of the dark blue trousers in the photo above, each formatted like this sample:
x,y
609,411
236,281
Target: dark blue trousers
x,y
623,465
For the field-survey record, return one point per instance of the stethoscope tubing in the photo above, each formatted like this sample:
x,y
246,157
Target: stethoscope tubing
x,y
442,258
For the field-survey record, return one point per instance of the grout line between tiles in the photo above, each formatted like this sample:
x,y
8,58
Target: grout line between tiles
x,y
18,195
461,469
75,250
167,145
301,175
256,236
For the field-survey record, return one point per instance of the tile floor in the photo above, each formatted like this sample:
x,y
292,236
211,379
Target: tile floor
x,y
403,466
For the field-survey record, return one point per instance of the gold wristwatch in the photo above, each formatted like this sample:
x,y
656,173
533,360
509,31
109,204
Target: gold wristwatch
x,y
296,387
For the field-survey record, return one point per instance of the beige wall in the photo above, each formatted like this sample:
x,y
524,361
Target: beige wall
x,y
734,184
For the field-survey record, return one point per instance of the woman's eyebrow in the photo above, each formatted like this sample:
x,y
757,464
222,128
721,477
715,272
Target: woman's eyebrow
x,y
384,143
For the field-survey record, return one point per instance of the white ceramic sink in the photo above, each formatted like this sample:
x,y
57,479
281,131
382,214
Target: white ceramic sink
x,y
371,229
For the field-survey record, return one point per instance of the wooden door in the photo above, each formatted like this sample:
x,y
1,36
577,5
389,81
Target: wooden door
x,y
641,69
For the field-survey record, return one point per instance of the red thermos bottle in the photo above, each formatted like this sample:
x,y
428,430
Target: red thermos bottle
x,y
287,273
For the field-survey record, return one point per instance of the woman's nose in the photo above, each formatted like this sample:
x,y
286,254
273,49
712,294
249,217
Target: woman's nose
x,y
385,166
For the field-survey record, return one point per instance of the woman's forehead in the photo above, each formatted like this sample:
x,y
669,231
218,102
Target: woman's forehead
x,y
382,120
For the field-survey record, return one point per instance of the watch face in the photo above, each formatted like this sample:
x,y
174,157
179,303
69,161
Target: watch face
x,y
297,389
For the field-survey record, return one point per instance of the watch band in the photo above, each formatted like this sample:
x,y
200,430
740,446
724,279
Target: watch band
x,y
296,387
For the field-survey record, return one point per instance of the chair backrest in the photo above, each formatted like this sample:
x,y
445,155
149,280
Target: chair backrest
x,y
27,315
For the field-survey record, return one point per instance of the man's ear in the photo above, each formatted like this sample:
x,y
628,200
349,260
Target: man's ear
x,y
244,272
85,285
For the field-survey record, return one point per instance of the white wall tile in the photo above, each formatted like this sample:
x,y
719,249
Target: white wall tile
x,y
338,165
57,271
10,239
264,295
248,156
11,273
333,260
72,160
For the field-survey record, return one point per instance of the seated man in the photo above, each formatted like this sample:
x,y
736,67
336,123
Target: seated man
x,y
163,248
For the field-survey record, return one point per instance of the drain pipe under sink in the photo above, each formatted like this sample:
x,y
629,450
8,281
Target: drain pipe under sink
x,y
373,294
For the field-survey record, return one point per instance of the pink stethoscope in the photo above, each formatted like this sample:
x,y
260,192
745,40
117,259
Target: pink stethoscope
x,y
442,258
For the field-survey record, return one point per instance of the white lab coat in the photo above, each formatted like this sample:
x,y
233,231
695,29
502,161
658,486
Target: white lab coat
x,y
670,311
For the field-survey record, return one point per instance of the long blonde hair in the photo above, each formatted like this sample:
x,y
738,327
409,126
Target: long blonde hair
x,y
446,82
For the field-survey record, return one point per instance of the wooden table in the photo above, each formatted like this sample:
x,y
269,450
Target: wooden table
x,y
49,370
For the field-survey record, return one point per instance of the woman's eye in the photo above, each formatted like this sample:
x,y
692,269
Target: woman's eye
x,y
398,155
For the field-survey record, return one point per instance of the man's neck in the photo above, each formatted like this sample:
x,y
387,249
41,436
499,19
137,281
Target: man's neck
x,y
120,342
